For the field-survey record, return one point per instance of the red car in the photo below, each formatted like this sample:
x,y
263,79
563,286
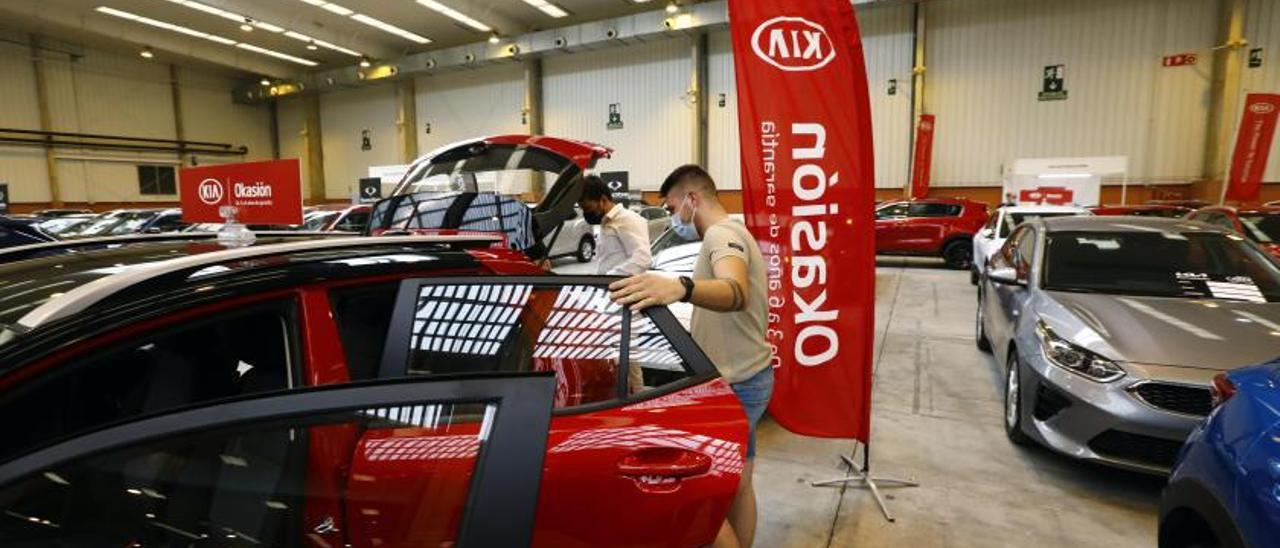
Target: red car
x,y
1143,210
385,391
935,227
1260,225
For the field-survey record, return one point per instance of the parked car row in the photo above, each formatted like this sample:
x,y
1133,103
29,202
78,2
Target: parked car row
x,y
1119,336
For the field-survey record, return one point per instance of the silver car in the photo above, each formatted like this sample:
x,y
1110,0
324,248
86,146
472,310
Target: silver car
x,y
1111,330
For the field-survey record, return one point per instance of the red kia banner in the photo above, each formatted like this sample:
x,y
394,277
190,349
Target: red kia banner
x,y
923,159
807,173
262,192
1253,145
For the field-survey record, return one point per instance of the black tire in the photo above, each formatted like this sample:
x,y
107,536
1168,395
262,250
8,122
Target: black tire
x,y
1013,400
958,254
979,329
973,276
586,249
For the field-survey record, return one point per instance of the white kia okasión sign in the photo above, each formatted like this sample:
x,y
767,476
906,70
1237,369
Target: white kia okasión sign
x,y
793,44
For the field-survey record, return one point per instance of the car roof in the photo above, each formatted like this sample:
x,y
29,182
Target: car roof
x,y
1124,224
1042,209
38,291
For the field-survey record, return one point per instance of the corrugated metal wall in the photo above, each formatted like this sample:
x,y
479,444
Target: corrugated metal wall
x,y
111,94
724,157
1262,29
985,62
291,121
648,82
344,116
468,104
888,47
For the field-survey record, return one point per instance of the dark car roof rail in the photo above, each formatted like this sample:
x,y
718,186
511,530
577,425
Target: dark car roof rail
x,y
18,253
83,297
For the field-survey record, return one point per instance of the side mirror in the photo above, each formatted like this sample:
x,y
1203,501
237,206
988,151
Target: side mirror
x,y
1004,276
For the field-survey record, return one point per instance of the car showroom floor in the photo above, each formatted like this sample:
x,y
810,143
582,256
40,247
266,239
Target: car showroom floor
x,y
937,419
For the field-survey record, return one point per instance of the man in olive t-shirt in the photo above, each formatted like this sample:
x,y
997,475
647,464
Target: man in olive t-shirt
x,y
729,294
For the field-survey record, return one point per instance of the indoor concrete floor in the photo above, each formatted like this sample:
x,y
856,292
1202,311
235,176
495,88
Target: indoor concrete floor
x,y
937,403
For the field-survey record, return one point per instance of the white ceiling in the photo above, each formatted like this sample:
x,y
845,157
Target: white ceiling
x,y
78,22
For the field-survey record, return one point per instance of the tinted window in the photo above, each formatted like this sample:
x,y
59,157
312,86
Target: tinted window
x,y
354,222
363,315
236,354
933,210
1164,264
575,331
892,211
1261,227
248,485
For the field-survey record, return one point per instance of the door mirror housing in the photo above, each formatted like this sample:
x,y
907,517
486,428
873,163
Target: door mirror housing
x,y
1006,275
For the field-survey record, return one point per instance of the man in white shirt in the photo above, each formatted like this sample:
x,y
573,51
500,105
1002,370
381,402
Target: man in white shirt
x,y
622,249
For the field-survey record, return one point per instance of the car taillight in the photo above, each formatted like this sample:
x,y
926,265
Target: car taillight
x,y
1222,389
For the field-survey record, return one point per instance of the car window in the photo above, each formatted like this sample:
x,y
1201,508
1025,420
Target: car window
x,y
892,211
991,222
230,355
1026,250
574,330
248,485
932,210
1005,257
363,315
354,221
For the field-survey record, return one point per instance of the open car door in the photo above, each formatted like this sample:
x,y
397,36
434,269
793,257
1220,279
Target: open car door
x,y
234,473
470,187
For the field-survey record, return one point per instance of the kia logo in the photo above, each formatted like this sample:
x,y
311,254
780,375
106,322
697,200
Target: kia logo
x,y
1262,108
793,44
210,191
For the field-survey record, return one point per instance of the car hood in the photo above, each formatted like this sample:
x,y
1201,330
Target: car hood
x,y
1203,334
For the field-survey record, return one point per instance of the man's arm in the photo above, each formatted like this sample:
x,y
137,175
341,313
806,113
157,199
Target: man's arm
x,y
635,237
726,292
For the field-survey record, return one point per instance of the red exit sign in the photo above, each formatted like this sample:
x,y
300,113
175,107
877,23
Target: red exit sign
x,y
1180,59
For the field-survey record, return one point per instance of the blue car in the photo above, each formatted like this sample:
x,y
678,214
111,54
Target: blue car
x,y
1225,488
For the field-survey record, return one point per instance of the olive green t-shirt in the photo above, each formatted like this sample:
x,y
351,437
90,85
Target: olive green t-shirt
x,y
733,340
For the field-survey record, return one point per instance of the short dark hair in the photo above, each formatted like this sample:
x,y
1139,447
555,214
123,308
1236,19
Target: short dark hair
x,y
688,172
594,188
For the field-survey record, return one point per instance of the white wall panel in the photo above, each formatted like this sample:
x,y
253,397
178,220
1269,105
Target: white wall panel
x,y
22,167
985,61
1262,29
724,153
343,116
649,81
467,104
887,43
209,114
291,121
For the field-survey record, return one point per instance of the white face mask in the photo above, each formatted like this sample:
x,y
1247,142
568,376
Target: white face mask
x,y
687,230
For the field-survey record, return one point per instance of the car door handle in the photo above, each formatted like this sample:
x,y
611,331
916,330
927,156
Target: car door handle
x,y
667,462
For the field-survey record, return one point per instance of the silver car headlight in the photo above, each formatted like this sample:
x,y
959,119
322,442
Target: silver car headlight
x,y
1064,354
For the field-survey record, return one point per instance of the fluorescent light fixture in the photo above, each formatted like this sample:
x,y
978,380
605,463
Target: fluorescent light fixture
x,y
387,27
146,53
318,42
548,8
455,15
276,54
163,25
340,10
1065,175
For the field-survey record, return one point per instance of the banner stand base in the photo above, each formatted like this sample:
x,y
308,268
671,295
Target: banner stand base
x,y
860,478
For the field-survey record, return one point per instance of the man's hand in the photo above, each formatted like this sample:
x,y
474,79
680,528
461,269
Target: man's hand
x,y
646,289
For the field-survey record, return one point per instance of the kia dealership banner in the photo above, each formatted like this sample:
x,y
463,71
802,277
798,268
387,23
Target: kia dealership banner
x,y
1253,146
262,192
923,159
807,173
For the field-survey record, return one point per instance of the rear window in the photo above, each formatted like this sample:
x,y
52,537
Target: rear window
x,y
934,210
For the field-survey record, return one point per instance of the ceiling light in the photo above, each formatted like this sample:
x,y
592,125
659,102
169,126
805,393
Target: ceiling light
x,y
146,53
387,27
455,15
163,25
672,7
548,8
264,82
317,42
276,54
364,62
245,26
493,38
340,10
312,46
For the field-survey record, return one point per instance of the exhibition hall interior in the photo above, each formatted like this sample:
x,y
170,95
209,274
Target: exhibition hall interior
x,y
571,273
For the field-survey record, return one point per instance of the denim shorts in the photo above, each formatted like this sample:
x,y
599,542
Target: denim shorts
x,y
754,394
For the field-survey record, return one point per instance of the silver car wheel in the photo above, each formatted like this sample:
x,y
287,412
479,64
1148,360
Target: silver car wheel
x,y
1011,395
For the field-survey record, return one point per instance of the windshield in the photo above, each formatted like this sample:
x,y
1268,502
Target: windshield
x,y
503,169
1013,220
122,223
317,220
1193,265
1261,227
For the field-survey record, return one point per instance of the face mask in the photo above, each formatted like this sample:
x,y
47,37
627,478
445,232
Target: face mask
x,y
592,217
688,231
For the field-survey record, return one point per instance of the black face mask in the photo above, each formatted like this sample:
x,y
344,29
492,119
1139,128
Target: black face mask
x,y
593,217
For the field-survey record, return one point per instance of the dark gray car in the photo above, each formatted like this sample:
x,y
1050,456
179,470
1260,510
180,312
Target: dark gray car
x,y
1110,331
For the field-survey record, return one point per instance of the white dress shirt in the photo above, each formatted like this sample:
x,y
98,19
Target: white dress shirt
x,y
623,248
